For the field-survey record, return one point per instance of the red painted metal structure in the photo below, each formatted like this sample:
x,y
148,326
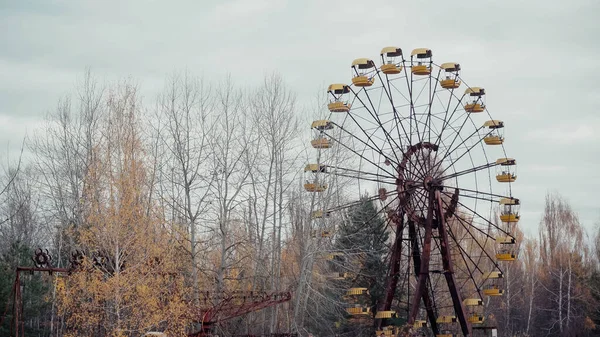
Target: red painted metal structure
x,y
215,307
219,307
434,225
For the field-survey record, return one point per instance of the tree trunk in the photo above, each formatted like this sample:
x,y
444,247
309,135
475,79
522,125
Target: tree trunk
x,y
560,298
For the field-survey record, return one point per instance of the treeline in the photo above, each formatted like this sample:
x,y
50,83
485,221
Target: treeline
x,y
200,189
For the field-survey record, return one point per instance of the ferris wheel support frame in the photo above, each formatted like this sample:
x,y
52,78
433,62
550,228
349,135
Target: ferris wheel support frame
x,y
459,309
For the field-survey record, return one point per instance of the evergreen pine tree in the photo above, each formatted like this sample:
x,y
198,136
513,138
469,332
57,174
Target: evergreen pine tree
x,y
363,240
34,291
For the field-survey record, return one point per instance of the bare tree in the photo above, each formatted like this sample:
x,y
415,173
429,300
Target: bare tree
x,y
563,252
274,115
230,140
181,137
63,152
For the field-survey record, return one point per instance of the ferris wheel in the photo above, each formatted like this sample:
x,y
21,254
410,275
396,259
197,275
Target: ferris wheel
x,y
424,142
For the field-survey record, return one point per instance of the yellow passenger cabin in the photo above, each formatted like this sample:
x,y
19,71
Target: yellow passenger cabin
x,y
506,170
447,325
392,60
493,291
359,310
475,97
506,240
421,61
364,71
446,319
509,210
385,314
420,324
450,80
322,125
474,308
472,302
338,98
320,143
492,283
318,214
315,187
494,134
315,168
387,331
506,255
475,319
357,291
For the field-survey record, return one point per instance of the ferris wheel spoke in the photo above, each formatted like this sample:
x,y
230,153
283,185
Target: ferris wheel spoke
x,y
358,154
432,94
397,118
467,171
492,195
464,153
447,121
486,220
450,150
355,203
491,259
359,171
389,139
414,113
462,255
373,147
361,178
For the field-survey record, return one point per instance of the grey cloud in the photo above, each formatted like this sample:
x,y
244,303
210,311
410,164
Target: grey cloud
x,y
537,59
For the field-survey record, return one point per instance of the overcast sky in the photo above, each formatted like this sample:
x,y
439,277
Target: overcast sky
x,y
539,62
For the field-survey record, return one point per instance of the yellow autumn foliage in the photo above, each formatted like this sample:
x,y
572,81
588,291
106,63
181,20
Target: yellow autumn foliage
x,y
131,280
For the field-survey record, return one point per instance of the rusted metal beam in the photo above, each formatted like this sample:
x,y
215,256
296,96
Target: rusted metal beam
x,y
394,274
459,309
421,288
416,255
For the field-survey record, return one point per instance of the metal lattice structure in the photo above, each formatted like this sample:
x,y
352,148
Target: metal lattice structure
x,y
424,141
214,307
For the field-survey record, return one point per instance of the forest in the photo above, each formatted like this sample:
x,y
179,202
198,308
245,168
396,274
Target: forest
x,y
164,199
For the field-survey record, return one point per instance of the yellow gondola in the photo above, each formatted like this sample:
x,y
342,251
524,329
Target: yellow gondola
x,y
385,314
359,310
477,104
423,61
509,211
494,137
451,80
320,143
357,291
507,171
364,70
506,240
320,214
392,59
322,125
420,324
337,94
475,319
492,284
506,255
315,168
314,187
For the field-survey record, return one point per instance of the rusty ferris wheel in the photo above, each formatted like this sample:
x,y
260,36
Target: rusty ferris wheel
x,y
425,140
